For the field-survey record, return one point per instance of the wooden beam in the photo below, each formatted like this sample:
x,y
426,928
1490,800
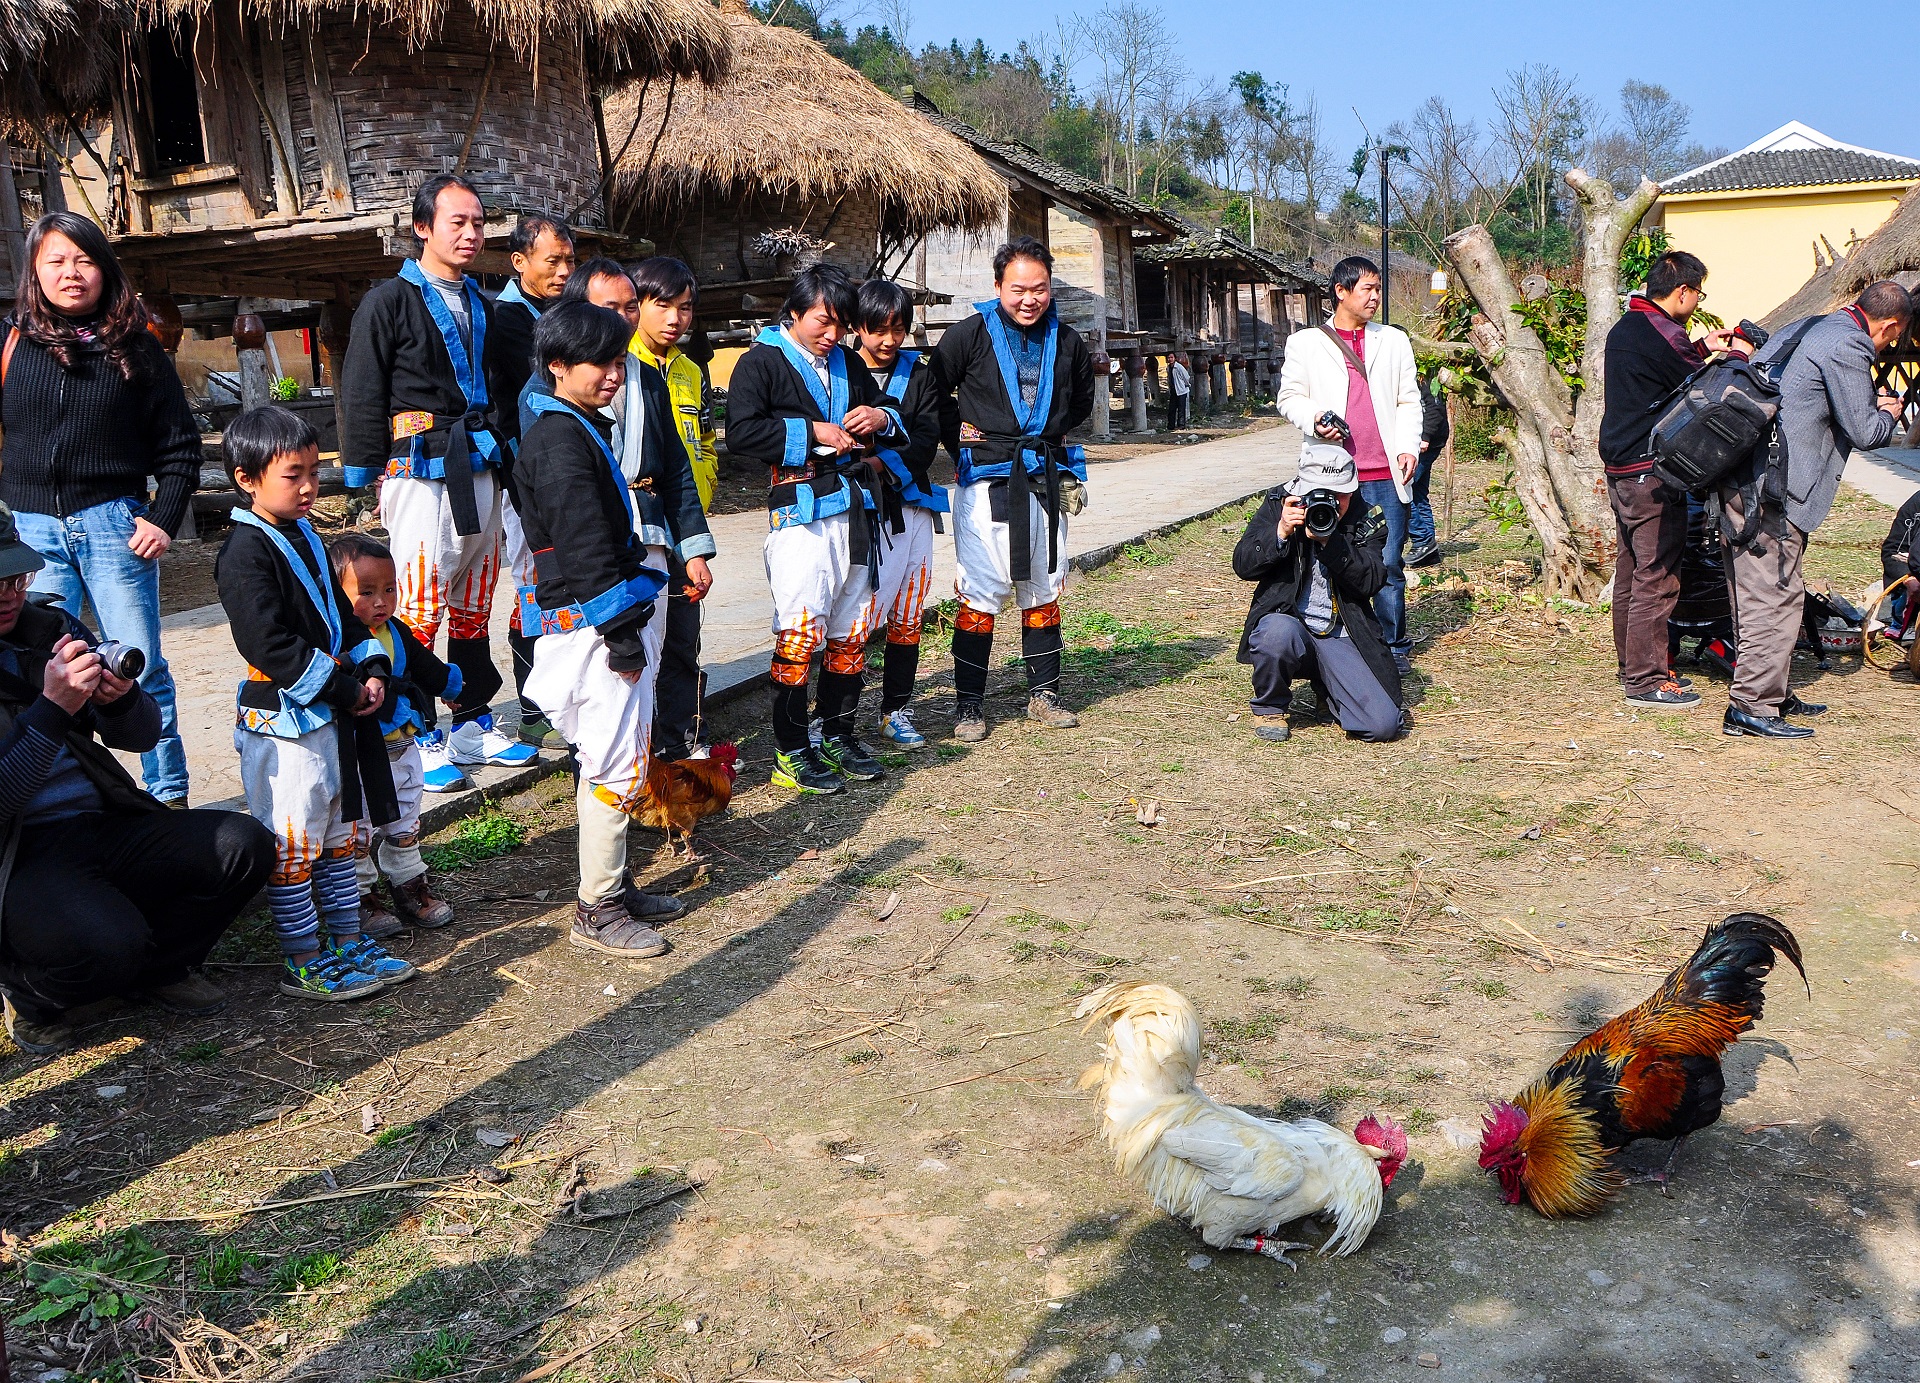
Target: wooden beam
x,y
335,185
278,110
12,232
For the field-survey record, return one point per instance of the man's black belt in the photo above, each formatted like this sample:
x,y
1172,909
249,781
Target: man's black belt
x,y
1019,514
459,472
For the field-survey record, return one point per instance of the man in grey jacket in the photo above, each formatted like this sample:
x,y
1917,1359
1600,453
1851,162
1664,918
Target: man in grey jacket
x,y
1827,409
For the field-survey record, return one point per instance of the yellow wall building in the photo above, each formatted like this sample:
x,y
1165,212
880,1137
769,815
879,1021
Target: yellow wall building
x,y
1763,217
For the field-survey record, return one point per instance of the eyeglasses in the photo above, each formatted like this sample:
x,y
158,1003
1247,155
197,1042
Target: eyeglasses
x,y
13,585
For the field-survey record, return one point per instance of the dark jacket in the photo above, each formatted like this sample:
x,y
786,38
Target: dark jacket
x,y
665,498
1827,410
1434,427
1900,552
397,363
509,361
581,533
80,437
1355,559
918,402
418,679
770,410
1643,367
967,372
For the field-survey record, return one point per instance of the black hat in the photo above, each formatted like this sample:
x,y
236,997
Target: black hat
x,y
16,558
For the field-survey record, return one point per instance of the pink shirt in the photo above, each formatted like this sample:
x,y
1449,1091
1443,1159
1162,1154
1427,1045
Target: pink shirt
x,y
1369,450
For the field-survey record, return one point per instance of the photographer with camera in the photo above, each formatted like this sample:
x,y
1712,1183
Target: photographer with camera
x,y
1318,558
102,892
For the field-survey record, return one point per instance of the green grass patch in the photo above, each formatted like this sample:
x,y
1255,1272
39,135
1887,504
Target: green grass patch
x,y
442,1356
956,912
225,1267
1146,555
96,1280
206,1049
1491,989
308,1271
387,1137
1297,986
1256,1028
1336,917
483,837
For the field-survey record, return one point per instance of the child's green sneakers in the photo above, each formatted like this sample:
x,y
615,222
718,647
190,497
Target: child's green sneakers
x,y
803,770
328,979
369,957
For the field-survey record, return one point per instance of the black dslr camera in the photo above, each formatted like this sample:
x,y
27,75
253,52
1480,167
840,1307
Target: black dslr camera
x,y
1323,512
1337,423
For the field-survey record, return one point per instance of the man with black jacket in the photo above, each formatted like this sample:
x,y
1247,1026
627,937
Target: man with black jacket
x,y
1312,613
1649,355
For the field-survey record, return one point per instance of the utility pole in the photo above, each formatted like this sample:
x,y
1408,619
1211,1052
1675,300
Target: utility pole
x,y
1386,267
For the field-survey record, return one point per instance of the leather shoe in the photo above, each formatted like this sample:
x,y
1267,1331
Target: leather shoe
x,y
1739,722
1794,706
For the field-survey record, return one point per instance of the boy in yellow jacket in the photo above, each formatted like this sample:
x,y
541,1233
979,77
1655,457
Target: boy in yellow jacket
x,y
667,291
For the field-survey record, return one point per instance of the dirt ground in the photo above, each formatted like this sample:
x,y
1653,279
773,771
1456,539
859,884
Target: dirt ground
x,y
860,1051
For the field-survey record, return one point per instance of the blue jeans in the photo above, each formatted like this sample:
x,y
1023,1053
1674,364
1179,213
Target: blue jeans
x,y
1390,604
1420,531
89,562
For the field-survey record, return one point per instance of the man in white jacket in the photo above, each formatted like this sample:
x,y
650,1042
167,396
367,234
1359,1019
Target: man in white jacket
x,y
1363,373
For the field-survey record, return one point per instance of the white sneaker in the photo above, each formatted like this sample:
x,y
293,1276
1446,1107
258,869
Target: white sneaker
x,y
897,727
477,742
439,774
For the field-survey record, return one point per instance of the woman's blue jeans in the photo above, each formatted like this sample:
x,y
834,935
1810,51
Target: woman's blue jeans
x,y
89,562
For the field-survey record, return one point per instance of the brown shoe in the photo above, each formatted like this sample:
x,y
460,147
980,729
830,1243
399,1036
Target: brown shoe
x,y
1272,728
651,908
377,919
35,1036
970,722
414,901
1044,708
192,993
607,926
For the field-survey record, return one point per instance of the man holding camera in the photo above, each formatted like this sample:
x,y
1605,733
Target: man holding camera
x,y
103,892
1352,382
1318,558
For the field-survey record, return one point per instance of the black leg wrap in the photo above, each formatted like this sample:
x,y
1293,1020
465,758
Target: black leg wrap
x,y
896,678
839,699
972,653
521,645
790,717
479,678
1040,650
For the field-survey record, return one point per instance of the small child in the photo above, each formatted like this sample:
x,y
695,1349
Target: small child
x,y
365,571
306,731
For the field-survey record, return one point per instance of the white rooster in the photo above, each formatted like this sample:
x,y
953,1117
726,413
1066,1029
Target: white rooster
x,y
1233,1177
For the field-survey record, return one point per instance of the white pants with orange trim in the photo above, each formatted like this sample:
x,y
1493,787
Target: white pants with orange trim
x,y
518,557
906,571
984,575
819,596
607,719
443,576
293,789
396,845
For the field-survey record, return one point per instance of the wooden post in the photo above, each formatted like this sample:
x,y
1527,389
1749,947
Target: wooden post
x,y
1102,395
250,345
1137,388
1240,378
1202,385
11,229
336,321
53,193
1219,381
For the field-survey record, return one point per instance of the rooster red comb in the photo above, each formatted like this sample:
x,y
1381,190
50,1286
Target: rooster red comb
x,y
727,756
1503,1123
1380,1131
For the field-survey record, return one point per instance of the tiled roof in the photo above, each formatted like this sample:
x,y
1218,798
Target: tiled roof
x,y
1201,242
1767,168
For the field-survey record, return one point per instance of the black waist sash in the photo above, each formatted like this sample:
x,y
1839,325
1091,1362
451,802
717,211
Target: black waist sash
x,y
1019,487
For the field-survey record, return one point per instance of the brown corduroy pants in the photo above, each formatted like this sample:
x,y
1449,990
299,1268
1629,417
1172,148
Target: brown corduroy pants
x,y
1769,602
1652,519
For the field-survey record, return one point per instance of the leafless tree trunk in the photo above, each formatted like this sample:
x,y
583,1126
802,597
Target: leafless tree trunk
x,y
1555,439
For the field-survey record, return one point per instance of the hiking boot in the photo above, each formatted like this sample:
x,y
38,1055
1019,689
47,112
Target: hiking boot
x,y
803,770
651,908
369,957
538,731
845,755
376,919
41,1037
414,901
897,727
1273,728
970,722
192,993
1668,696
1044,707
329,980
608,927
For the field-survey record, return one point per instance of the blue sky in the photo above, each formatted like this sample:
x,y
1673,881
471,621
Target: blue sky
x,y
1744,69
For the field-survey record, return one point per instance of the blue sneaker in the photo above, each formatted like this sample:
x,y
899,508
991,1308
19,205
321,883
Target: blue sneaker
x,y
369,957
477,742
439,773
329,979
896,727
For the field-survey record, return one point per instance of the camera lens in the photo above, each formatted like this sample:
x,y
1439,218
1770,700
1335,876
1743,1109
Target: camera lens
x,y
121,659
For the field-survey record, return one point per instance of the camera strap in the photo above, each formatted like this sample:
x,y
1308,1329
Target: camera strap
x,y
1347,351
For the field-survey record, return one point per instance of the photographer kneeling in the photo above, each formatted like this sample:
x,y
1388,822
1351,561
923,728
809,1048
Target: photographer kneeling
x,y
1319,560
103,891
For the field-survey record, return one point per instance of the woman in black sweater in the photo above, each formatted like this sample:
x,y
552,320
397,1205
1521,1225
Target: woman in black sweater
x,y
92,407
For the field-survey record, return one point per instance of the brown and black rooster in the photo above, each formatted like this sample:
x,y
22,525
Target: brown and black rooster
x,y
1653,1072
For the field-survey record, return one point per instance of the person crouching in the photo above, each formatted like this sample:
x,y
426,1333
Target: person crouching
x,y
1312,615
596,592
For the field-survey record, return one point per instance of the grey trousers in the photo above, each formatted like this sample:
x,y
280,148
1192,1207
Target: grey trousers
x,y
1283,652
1769,601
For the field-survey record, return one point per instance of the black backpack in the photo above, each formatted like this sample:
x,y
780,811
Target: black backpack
x,y
1724,416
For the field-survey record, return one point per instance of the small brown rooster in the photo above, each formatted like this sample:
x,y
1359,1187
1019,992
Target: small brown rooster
x,y
680,793
1653,1072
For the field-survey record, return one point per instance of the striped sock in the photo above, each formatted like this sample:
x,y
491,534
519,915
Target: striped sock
x,y
339,893
294,916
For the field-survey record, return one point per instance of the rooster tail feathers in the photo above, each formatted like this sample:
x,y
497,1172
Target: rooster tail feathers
x,y
1734,958
1152,1036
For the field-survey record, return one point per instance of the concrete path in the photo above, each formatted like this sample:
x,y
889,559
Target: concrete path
x,y
1129,498
1890,475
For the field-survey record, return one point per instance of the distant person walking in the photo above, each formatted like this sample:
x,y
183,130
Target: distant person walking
x,y
1179,391
92,407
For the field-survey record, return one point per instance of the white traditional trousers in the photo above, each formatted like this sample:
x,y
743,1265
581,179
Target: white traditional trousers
x,y
444,577
984,578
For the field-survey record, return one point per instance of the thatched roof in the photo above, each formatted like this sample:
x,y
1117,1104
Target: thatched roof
x,y
793,120
1892,252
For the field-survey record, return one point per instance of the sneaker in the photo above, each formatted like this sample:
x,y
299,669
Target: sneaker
x,y
970,722
845,755
1272,728
538,731
192,993
1403,664
608,927
1684,683
376,920
328,979
804,771
41,1038
1426,555
369,957
438,773
897,727
1667,696
651,908
413,900
477,742
1044,706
